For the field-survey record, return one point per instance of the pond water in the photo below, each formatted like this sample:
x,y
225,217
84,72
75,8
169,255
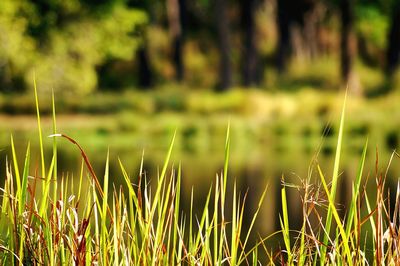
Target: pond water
x,y
257,159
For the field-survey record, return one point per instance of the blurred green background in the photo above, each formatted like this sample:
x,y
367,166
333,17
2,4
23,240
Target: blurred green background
x,y
127,73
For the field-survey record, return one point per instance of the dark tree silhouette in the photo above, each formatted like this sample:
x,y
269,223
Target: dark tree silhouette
x,y
302,16
283,23
145,79
144,69
176,17
348,46
250,55
222,23
393,50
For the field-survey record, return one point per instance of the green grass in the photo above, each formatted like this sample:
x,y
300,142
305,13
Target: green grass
x,y
49,218
107,226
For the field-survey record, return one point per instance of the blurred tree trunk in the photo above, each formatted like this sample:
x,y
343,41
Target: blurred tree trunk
x,y
250,56
225,69
283,22
145,73
313,13
10,81
175,10
143,64
348,47
311,19
393,50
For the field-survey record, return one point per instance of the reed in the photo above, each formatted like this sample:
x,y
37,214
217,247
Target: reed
x,y
42,223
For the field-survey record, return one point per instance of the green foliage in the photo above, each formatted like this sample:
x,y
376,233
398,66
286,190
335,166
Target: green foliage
x,y
16,48
373,25
73,44
64,41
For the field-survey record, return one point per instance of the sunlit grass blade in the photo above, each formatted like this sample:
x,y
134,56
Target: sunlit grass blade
x,y
132,196
237,243
249,230
103,215
162,176
164,217
371,218
97,237
234,232
46,190
176,217
356,189
255,259
16,167
24,184
226,160
335,177
215,219
54,176
191,246
203,218
226,163
205,256
54,198
302,255
21,194
223,194
115,235
39,124
338,221
285,225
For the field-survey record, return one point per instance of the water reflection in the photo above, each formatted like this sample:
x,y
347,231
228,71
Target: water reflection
x,y
253,164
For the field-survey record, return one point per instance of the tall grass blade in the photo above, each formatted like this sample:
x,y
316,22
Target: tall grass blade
x,y
223,194
46,190
285,225
356,189
249,230
215,219
203,218
103,216
176,216
115,234
191,246
162,176
24,184
132,196
302,255
234,228
54,148
337,218
226,163
335,177
16,167
41,146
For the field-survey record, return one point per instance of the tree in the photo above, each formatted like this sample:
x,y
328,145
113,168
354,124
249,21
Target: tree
x,y
250,55
17,48
145,79
145,72
283,23
393,50
348,46
297,24
176,16
225,68
64,42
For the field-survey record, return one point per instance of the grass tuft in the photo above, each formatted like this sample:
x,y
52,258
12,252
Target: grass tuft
x,y
49,218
